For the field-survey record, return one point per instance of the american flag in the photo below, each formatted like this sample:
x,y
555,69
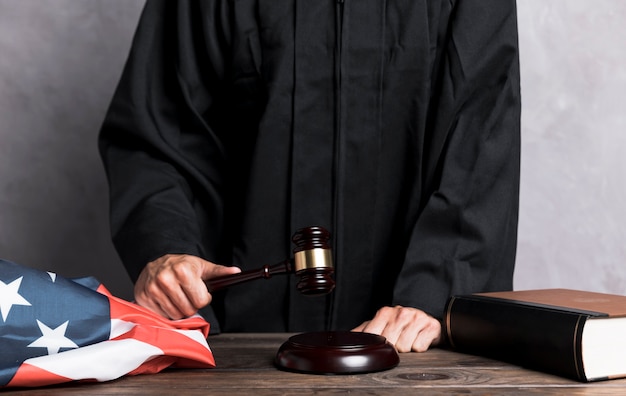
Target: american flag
x,y
55,330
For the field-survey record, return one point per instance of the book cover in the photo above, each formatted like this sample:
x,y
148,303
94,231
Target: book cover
x,y
572,333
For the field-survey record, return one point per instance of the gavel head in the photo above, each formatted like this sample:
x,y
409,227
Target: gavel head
x,y
313,262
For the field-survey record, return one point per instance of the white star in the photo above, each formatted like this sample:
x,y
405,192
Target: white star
x,y
52,276
53,339
10,297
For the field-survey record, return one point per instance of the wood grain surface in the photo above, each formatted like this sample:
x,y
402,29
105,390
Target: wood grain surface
x,y
245,366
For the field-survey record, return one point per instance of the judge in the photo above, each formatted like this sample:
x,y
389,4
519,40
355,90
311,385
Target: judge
x,y
392,123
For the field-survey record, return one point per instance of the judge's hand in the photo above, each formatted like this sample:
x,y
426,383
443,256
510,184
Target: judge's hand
x,y
173,285
408,329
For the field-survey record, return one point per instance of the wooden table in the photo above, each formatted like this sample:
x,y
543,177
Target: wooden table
x,y
245,366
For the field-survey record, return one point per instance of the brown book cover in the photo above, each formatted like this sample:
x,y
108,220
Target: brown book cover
x,y
600,303
572,333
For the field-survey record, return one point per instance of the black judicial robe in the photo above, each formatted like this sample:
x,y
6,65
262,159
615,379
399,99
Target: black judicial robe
x,y
393,123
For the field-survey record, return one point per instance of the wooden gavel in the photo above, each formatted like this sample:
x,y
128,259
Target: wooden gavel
x,y
312,263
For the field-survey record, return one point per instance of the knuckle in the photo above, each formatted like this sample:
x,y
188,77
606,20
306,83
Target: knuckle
x,y
162,281
406,315
385,312
179,270
152,289
184,271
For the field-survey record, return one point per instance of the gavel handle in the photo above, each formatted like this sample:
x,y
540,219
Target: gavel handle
x,y
266,272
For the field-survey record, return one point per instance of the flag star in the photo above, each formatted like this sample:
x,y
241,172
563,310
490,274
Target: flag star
x,y
52,276
9,297
53,339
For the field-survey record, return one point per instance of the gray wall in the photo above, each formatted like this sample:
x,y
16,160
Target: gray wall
x,y
573,211
60,61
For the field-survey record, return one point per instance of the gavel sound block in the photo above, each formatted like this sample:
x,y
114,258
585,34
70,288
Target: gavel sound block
x,y
325,352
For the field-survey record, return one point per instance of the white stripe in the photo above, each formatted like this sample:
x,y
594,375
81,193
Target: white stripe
x,y
196,336
119,327
104,361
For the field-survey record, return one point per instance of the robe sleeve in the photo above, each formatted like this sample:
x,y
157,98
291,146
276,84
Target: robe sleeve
x,y
464,239
162,154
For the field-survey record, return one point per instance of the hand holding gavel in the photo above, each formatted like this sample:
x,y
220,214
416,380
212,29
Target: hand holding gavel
x,y
312,264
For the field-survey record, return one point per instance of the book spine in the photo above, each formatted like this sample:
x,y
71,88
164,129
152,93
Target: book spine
x,y
534,337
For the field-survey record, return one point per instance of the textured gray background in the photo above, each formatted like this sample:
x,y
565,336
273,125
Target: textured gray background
x,y
59,64
60,61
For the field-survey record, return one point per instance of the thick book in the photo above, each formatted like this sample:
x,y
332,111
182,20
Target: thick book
x,y
571,333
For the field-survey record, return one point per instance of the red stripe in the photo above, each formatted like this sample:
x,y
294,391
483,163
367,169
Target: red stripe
x,y
32,376
154,366
130,312
151,328
185,351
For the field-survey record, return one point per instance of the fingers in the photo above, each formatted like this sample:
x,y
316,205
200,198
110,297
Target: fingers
x,y
362,327
408,329
216,270
152,300
173,285
419,334
166,286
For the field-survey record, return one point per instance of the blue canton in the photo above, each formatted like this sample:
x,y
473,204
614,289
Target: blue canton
x,y
30,298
